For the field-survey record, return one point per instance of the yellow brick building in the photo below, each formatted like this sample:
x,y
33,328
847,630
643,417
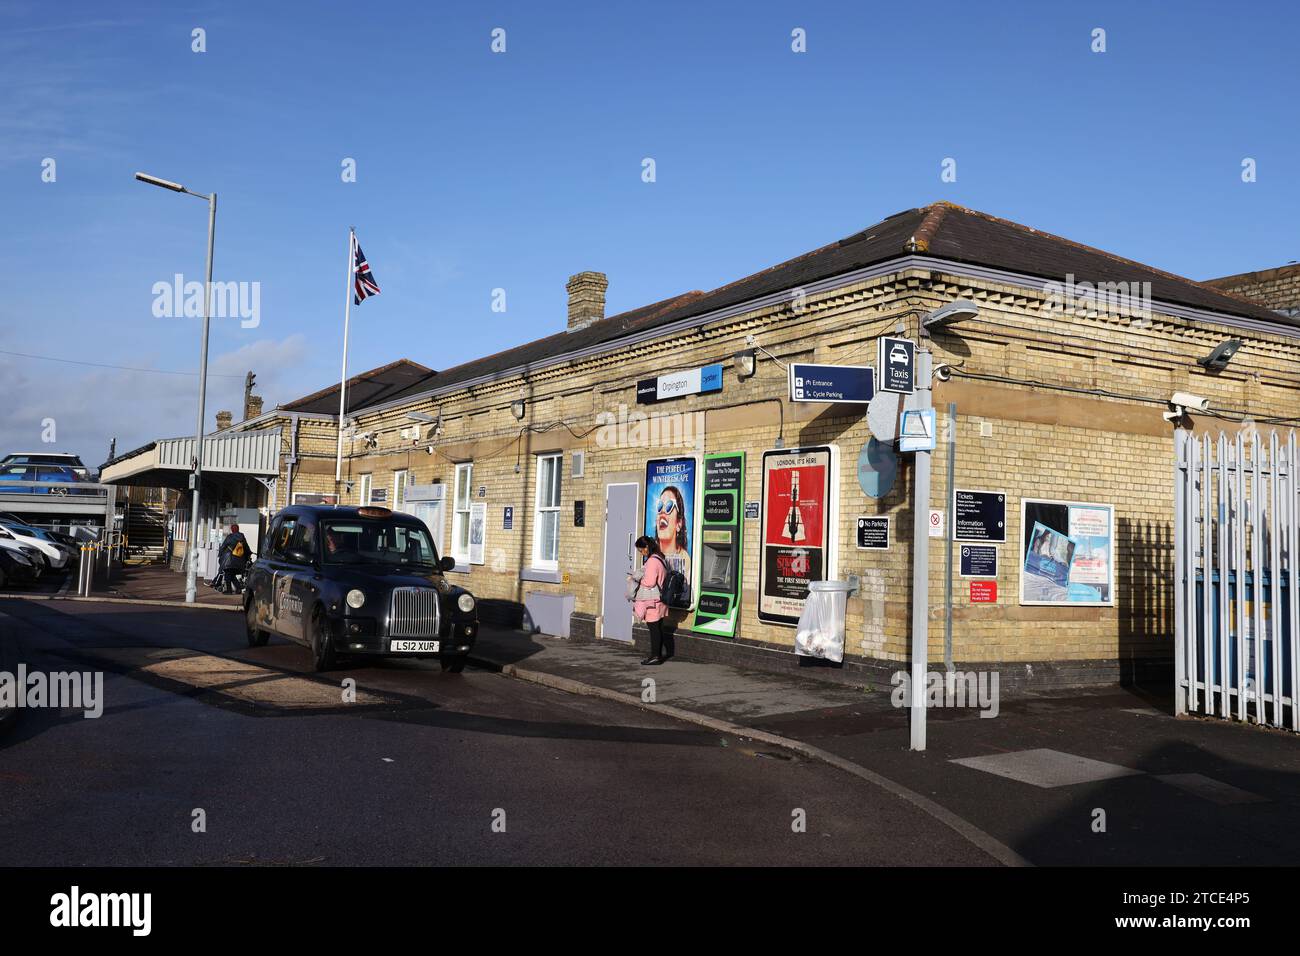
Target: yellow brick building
x,y
1061,380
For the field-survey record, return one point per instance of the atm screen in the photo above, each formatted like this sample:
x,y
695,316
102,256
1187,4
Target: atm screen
x,y
717,567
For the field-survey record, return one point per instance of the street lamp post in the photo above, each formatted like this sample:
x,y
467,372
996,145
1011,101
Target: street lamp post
x,y
191,570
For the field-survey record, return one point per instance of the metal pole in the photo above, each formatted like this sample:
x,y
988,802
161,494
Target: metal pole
x,y
921,563
343,381
191,571
948,536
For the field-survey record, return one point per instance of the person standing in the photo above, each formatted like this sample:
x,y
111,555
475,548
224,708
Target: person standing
x,y
648,602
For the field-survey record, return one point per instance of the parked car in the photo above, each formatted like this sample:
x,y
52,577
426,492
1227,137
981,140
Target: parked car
x,y
57,556
48,458
358,581
16,568
63,480
11,545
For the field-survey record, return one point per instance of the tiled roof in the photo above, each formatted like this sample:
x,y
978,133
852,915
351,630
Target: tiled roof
x,y
368,388
941,230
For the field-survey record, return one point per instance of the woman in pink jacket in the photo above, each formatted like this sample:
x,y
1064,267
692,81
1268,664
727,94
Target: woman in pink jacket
x,y
648,602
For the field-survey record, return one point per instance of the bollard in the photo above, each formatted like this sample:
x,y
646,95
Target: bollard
x,y
83,568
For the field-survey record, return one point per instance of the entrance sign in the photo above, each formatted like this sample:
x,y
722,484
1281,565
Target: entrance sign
x,y
873,533
796,543
979,516
846,384
721,545
979,561
1067,553
897,364
670,515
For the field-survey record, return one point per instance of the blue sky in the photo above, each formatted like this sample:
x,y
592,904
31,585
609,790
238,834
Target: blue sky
x,y
478,171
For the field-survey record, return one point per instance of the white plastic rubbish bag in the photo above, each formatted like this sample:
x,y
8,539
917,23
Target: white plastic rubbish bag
x,y
821,625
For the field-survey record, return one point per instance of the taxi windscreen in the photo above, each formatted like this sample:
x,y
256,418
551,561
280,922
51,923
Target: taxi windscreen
x,y
359,541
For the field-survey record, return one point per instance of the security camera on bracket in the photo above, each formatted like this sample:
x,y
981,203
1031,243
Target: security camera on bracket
x,y
1181,402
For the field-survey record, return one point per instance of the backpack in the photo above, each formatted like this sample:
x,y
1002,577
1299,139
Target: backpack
x,y
673,592
239,550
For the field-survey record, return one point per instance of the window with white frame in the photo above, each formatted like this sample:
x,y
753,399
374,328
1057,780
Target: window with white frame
x,y
364,497
546,513
460,513
399,490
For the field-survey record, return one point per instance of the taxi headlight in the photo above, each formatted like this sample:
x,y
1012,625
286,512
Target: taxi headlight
x,y
356,598
465,602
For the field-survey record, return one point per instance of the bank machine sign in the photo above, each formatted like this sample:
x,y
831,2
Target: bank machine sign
x,y
720,544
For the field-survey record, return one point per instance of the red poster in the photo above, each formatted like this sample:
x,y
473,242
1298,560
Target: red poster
x,y
984,592
796,506
797,502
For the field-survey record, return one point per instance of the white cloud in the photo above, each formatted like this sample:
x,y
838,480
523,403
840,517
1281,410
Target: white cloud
x,y
91,406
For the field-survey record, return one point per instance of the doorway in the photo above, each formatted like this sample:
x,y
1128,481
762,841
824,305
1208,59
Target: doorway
x,y
621,509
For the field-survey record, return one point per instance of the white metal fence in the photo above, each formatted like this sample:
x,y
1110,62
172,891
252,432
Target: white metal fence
x,y
1236,544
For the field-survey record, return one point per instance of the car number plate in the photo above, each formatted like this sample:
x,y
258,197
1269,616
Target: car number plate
x,y
413,647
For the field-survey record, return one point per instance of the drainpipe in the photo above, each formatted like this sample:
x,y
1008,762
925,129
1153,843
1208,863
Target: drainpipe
x,y
293,460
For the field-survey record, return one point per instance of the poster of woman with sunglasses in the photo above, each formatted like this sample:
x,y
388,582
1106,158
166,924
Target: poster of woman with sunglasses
x,y
670,512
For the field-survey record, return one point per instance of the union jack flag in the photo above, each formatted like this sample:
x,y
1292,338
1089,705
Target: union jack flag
x,y
363,279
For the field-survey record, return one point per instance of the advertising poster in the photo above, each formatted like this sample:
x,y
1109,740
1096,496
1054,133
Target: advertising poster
x,y
477,531
720,545
798,497
670,514
1068,553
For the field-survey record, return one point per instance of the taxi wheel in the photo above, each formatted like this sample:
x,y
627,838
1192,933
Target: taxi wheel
x,y
256,636
322,645
455,663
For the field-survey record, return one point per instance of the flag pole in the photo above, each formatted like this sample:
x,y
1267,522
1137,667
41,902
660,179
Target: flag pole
x,y
343,381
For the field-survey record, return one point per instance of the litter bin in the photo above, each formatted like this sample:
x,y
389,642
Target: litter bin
x,y
821,625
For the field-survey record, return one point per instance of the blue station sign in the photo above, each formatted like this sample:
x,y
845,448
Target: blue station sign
x,y
848,384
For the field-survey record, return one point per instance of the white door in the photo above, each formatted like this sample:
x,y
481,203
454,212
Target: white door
x,y
621,509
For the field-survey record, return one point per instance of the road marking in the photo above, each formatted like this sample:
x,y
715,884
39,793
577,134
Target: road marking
x,y
237,680
1047,768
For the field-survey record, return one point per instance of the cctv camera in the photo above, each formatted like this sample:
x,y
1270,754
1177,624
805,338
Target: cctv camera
x,y
1194,402
428,449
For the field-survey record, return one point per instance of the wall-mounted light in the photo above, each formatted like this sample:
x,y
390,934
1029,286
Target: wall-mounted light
x,y
744,362
954,311
1218,360
517,409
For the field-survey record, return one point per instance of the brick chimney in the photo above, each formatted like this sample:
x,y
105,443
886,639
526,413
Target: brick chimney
x,y
252,407
224,420
586,299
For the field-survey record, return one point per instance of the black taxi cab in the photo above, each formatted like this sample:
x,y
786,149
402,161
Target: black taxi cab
x,y
357,581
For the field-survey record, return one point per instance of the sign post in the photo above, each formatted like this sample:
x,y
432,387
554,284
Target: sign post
x,y
922,401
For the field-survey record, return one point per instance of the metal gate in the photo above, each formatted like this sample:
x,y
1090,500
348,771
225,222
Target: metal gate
x,y
1236,544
